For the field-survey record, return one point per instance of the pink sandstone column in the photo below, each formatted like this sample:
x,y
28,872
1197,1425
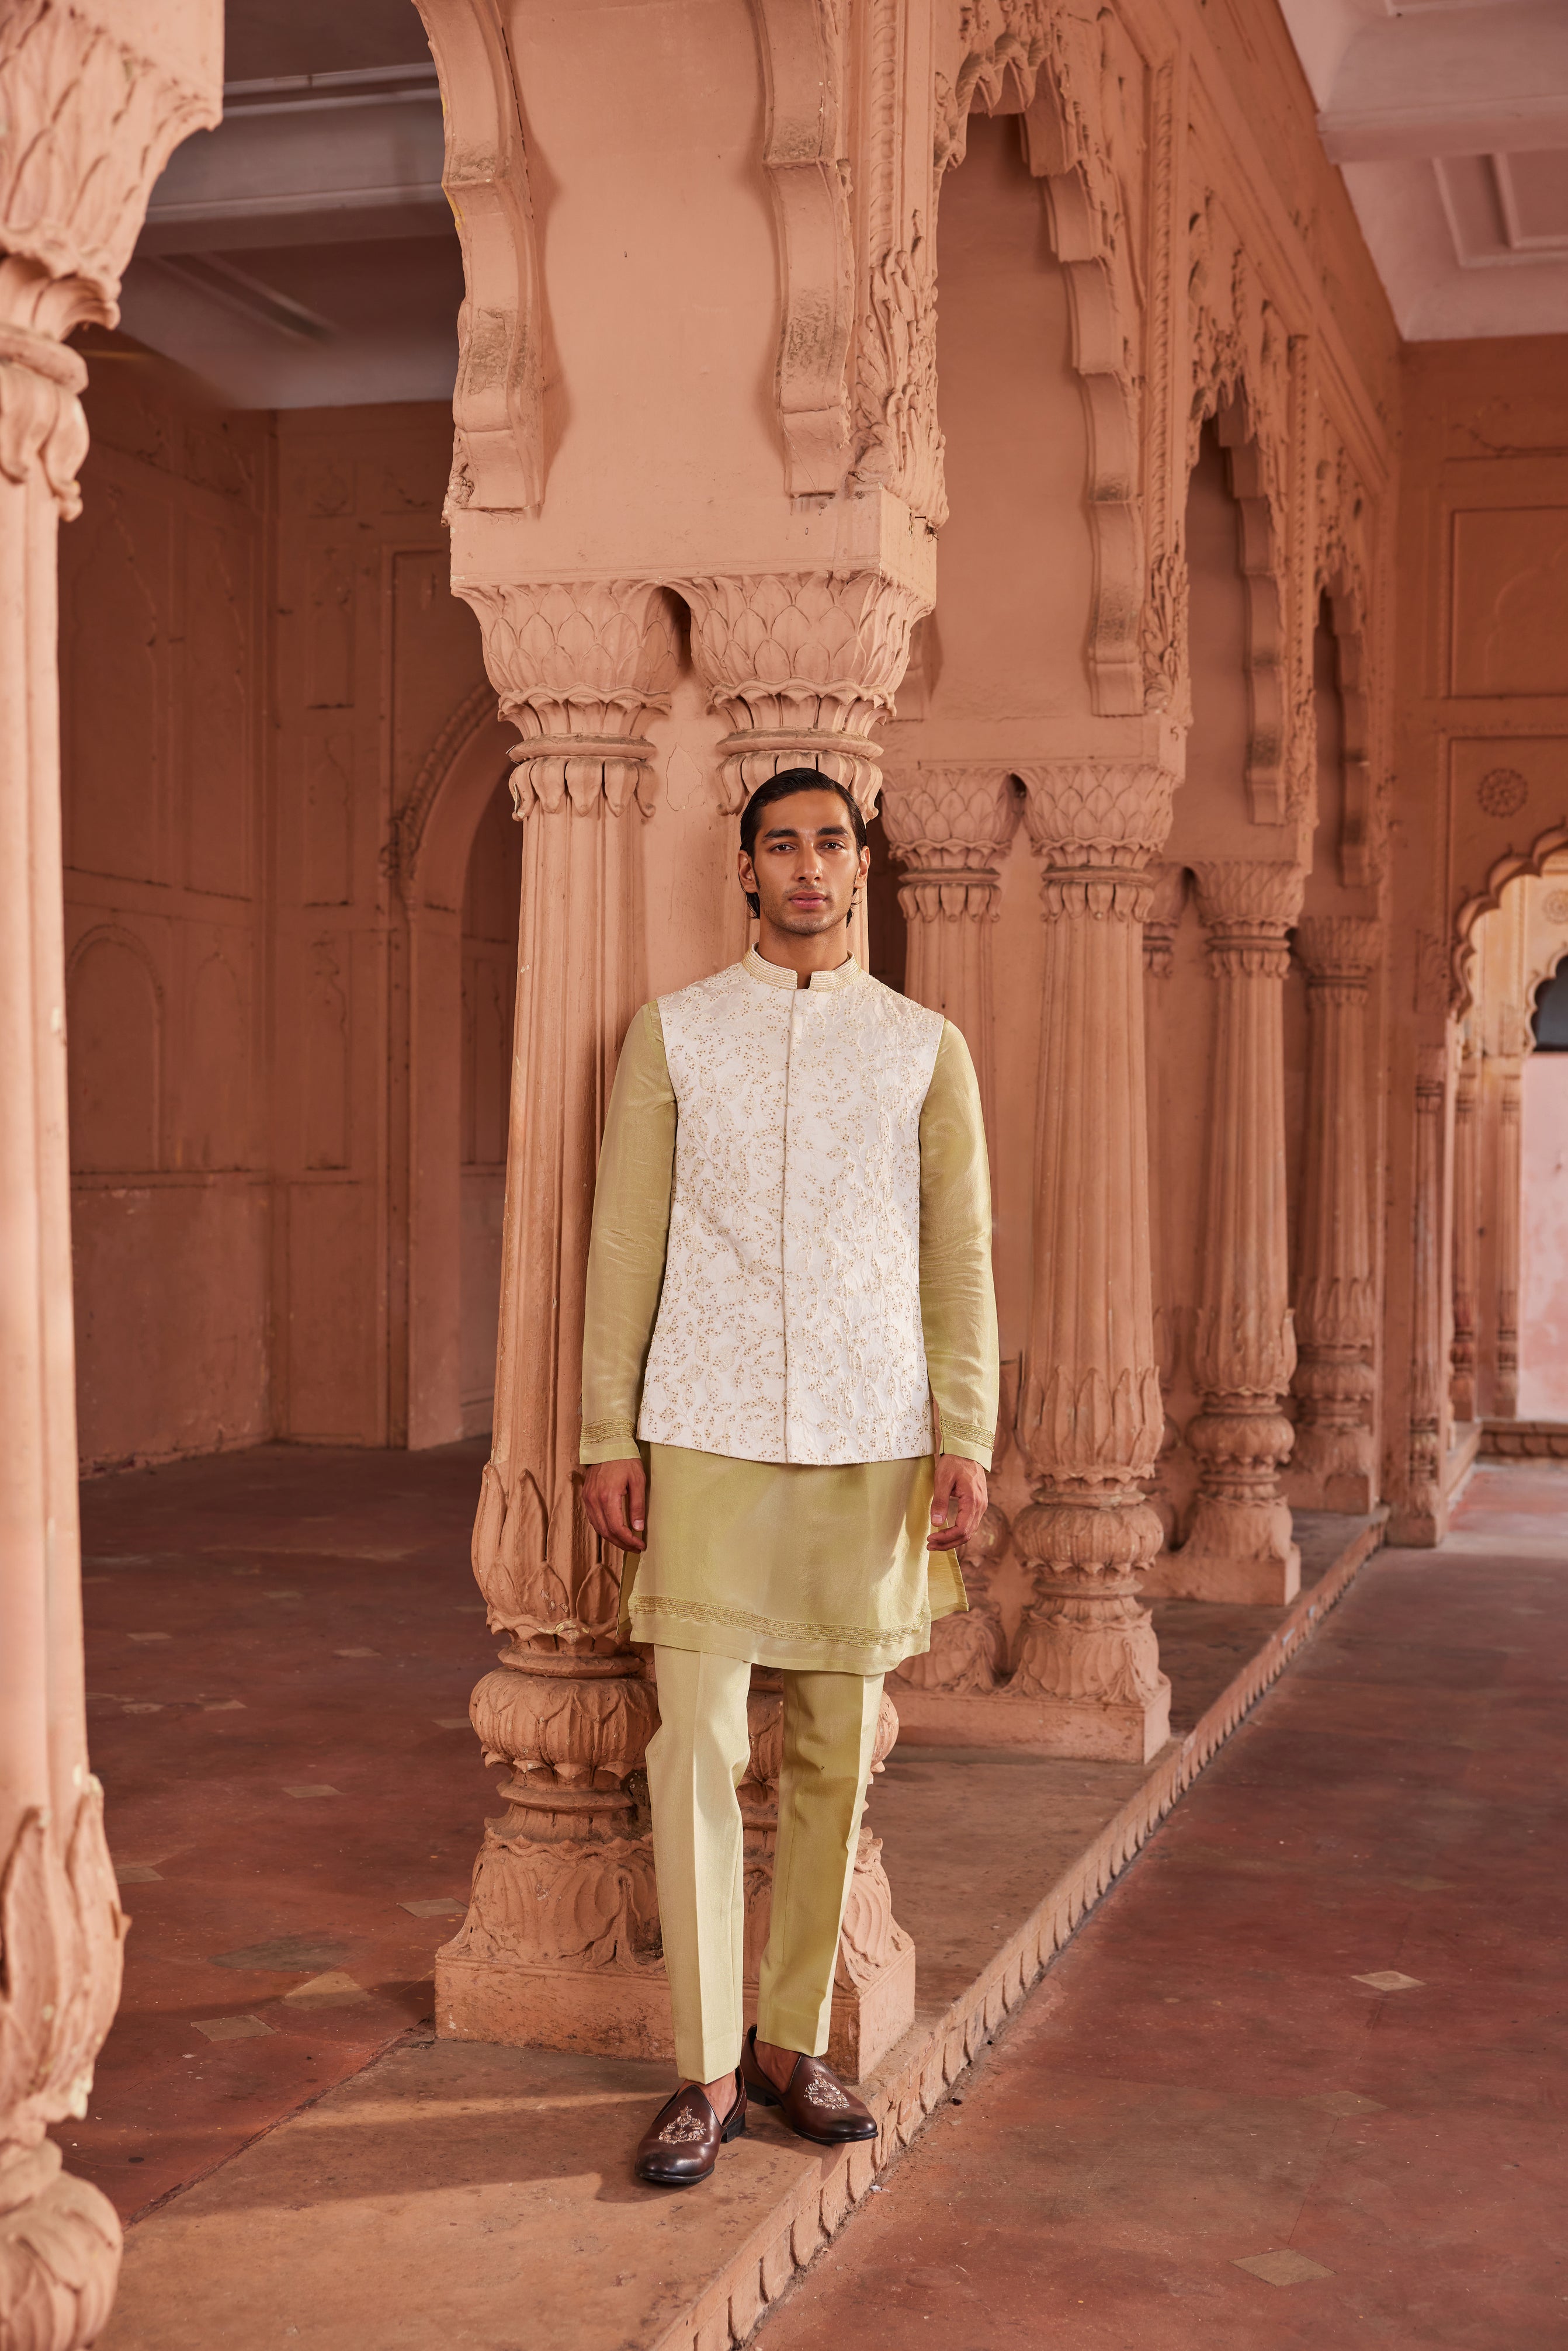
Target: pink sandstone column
x,y
1467,1239
1090,1417
1239,1546
949,828
1335,1305
1508,1179
560,1947
1160,926
90,120
1427,1519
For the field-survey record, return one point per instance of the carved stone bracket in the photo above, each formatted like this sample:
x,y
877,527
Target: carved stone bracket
x,y
801,663
802,43
498,405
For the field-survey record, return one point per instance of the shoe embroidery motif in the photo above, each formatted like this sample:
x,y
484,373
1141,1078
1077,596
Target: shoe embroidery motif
x,y
822,2092
683,2128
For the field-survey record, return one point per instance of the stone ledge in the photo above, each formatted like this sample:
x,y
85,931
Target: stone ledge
x,y
1525,1440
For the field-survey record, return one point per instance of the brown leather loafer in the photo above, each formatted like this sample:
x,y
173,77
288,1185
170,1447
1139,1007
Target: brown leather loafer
x,y
681,2144
813,2102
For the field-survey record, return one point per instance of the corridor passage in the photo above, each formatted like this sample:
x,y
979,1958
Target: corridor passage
x,y
1298,2084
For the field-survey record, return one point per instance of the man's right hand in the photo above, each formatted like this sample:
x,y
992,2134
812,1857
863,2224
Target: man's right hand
x,y
615,1496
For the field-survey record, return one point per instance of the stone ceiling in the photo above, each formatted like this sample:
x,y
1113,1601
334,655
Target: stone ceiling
x,y
303,254
1449,121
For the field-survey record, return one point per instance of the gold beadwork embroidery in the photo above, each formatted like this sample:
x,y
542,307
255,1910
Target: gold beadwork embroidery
x,y
822,2092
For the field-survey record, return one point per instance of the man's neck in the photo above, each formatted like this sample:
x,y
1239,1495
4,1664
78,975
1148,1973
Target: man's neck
x,y
804,953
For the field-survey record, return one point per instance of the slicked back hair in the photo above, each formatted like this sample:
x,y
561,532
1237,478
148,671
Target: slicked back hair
x,y
784,788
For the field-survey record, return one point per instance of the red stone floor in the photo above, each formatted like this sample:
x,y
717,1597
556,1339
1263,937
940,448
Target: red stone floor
x,y
280,1647
1204,2080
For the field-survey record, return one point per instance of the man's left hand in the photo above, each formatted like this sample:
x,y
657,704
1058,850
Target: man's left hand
x,y
957,1501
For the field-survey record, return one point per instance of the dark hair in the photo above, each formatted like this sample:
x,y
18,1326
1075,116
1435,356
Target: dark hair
x,y
784,788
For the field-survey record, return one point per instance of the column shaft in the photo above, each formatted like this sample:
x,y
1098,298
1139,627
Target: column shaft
x,y
1332,1466
1090,1417
89,123
1239,1546
1508,1179
1466,1240
1425,1518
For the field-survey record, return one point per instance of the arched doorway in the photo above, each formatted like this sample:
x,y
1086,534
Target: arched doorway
x,y
1543,1210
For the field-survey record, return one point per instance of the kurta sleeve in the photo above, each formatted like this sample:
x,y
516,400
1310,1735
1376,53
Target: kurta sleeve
x,y
957,1303
626,1249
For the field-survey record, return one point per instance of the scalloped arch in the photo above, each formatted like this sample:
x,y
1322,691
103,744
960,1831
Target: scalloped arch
x,y
1487,900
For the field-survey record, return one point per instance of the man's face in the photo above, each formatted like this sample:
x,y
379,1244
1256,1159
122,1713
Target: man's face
x,y
805,866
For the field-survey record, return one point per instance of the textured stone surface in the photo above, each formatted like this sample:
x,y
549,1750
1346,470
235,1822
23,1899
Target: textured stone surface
x,y
1210,2126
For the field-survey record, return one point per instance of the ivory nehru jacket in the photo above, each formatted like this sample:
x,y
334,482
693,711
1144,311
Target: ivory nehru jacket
x,y
788,1327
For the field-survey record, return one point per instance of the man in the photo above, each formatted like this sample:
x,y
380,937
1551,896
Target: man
x,y
790,1271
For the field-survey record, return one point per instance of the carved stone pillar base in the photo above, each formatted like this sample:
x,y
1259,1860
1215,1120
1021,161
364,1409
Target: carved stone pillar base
x,y
1238,1551
1089,1680
561,1949
1239,1546
873,1984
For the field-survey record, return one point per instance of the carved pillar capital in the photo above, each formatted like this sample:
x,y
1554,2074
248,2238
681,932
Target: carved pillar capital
x,y
1339,950
949,827
578,665
90,121
1082,813
1248,908
801,663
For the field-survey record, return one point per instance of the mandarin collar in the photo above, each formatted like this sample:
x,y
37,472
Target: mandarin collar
x,y
821,983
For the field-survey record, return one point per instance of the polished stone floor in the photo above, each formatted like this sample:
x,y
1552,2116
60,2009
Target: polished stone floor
x,y
1299,2082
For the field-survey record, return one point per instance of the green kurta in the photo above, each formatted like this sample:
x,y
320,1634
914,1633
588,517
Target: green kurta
x,y
816,1569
